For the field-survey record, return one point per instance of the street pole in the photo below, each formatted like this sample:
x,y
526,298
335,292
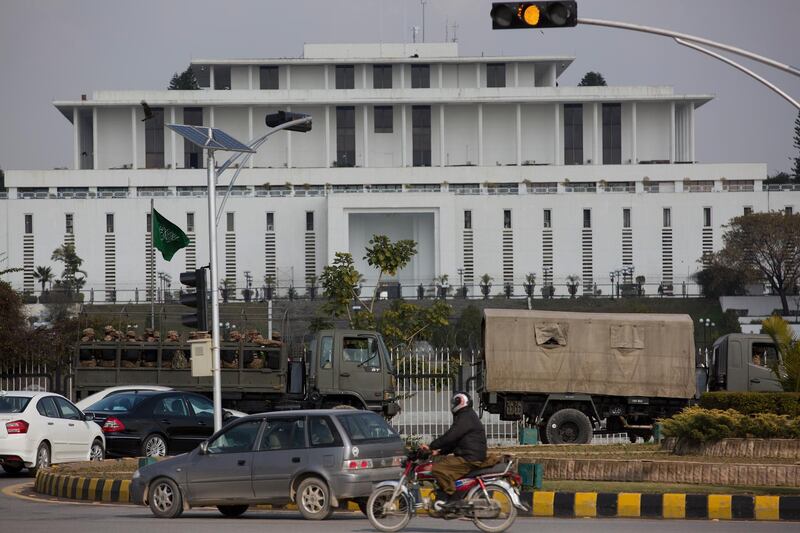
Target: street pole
x,y
212,233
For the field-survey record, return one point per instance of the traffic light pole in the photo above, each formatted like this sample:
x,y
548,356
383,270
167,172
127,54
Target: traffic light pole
x,y
212,252
694,42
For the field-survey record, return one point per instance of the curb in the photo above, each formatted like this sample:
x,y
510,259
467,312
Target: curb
x,y
82,488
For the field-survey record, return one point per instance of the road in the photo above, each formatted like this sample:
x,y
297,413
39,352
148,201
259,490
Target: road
x,y
25,515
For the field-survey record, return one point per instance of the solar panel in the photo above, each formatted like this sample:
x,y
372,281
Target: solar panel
x,y
209,138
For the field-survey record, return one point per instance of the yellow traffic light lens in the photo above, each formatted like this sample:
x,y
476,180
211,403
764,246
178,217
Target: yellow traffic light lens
x,y
531,15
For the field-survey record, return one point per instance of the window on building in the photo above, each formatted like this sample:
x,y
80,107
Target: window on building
x,y
706,217
496,75
345,77
587,218
626,217
548,218
192,154
612,134
154,139
109,222
748,210
381,76
28,224
230,221
420,76
309,220
506,218
788,210
69,222
573,134
270,221
222,77
189,222
345,136
467,219
421,135
384,119
268,77
667,222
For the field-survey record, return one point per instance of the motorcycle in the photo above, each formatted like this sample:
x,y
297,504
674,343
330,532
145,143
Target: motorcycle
x,y
490,496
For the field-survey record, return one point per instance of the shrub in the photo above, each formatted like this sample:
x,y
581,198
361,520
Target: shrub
x,y
752,403
695,425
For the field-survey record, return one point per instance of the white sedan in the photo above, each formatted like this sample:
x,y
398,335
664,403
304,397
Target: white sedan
x,y
86,403
38,429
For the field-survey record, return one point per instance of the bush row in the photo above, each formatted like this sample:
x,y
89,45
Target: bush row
x,y
752,403
697,425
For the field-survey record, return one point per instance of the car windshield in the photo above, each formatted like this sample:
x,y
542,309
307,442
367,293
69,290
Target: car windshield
x,y
118,403
13,404
364,427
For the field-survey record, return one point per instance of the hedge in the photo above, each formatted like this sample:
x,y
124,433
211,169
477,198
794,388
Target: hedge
x,y
697,425
753,403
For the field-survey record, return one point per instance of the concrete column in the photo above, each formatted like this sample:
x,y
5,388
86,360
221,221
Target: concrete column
x,y
480,135
516,74
441,136
288,144
597,138
478,75
173,137
134,141
558,135
76,138
288,77
672,132
252,160
691,132
519,133
211,116
327,135
441,76
403,140
250,77
634,144
366,131
364,76
211,77
326,74
94,138
402,76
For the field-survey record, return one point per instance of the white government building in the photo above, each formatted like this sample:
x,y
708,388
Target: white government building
x,y
486,162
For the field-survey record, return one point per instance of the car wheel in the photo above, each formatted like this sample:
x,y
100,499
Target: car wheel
x,y
165,498
12,468
313,499
569,426
232,511
97,453
43,458
154,446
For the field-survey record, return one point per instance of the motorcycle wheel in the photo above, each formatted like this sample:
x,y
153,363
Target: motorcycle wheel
x,y
394,518
500,499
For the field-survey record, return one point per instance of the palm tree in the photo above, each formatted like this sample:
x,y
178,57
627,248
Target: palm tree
x,y
44,275
573,282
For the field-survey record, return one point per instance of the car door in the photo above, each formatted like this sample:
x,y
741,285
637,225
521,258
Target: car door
x,y
171,414
78,436
280,455
202,412
56,430
360,366
224,473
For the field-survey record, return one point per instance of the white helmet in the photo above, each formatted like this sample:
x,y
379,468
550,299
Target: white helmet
x,y
459,401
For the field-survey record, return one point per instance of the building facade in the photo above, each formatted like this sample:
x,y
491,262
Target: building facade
x,y
484,161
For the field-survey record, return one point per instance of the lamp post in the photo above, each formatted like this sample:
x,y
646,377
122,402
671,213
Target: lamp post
x,y
706,323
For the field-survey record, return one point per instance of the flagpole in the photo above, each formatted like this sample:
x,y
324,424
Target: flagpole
x,y
152,267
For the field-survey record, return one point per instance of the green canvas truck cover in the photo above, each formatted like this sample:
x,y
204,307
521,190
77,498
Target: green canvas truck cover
x,y
612,354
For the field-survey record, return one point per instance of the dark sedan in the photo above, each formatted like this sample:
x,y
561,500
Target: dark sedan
x,y
153,423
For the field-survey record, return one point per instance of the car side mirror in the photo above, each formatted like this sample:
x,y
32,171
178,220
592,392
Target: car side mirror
x,y
227,415
204,447
88,417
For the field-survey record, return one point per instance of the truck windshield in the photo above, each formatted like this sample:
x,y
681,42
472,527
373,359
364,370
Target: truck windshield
x,y
366,427
386,355
13,404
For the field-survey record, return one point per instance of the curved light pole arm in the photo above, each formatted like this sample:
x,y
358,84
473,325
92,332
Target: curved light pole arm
x,y
744,69
686,37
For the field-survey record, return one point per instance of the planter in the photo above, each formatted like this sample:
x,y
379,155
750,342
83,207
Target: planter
x,y
762,448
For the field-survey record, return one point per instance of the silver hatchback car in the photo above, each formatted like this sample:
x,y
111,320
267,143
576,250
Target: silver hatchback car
x,y
318,459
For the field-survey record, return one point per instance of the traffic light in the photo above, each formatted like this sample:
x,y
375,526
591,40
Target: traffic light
x,y
282,117
516,15
197,299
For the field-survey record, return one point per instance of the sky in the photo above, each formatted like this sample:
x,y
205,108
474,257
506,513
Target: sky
x,y
59,49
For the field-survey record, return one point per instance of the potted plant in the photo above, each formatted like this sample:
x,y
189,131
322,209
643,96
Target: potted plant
x,y
226,286
640,285
269,289
420,291
443,286
292,292
530,284
311,286
486,285
573,282
508,289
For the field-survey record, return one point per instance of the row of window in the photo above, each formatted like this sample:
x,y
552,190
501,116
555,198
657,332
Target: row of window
x,y
547,214
269,78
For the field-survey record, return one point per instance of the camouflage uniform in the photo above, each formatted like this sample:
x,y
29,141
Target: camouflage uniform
x,y
133,361
86,355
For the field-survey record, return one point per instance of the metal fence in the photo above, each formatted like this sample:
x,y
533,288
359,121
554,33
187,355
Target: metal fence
x,y
26,375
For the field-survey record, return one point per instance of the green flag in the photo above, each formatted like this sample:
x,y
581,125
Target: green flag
x,y
167,237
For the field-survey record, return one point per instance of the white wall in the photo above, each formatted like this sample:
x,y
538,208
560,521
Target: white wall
x,y
498,146
114,146
653,133
538,127
461,135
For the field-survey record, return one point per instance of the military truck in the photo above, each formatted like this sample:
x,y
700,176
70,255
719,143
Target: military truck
x,y
575,374
743,362
326,369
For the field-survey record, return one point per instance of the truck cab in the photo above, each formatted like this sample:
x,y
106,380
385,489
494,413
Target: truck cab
x,y
743,362
351,367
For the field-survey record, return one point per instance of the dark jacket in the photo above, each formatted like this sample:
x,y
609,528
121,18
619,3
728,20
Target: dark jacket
x,y
466,438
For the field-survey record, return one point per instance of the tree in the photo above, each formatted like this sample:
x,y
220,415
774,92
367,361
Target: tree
x,y
70,279
573,282
13,326
720,279
44,275
388,258
592,79
767,244
788,368
796,159
404,323
339,281
185,81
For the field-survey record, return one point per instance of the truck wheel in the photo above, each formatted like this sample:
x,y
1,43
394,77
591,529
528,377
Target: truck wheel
x,y
569,426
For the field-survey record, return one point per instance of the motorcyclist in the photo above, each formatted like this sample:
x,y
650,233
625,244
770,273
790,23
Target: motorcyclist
x,y
463,447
